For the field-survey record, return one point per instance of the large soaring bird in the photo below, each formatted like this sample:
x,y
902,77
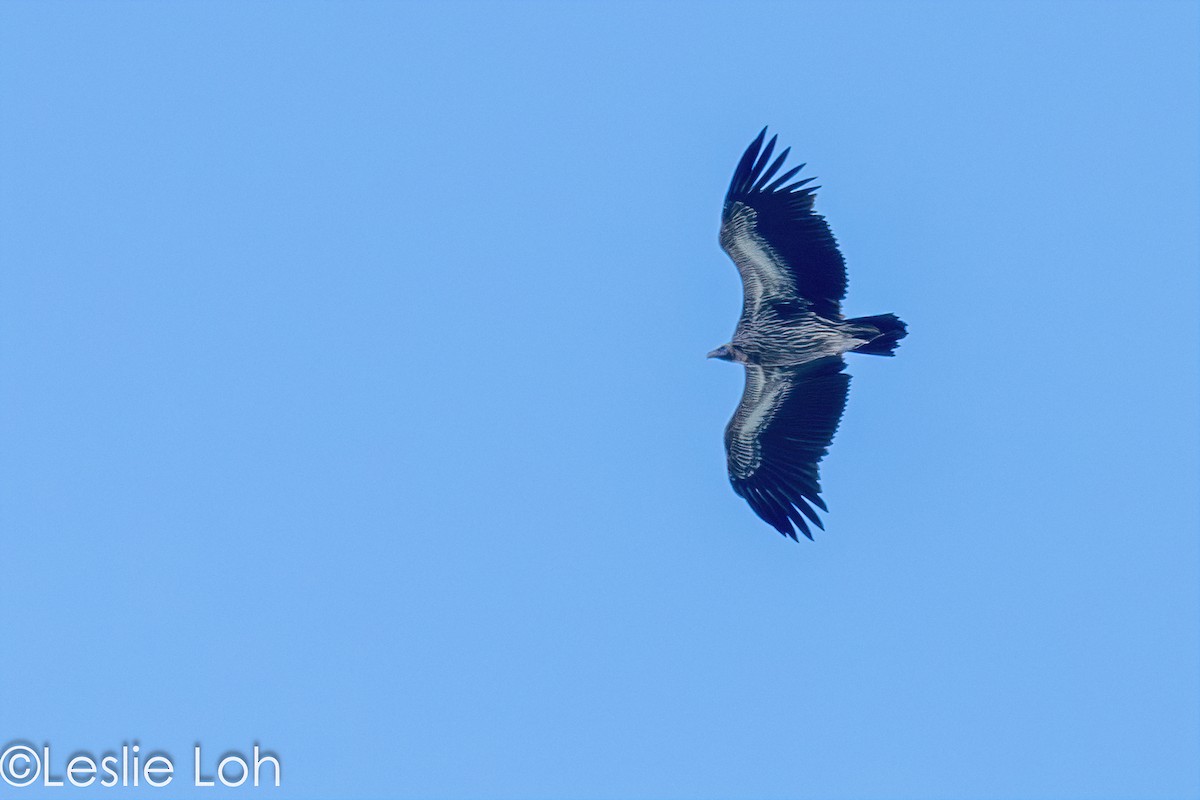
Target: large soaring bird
x,y
790,338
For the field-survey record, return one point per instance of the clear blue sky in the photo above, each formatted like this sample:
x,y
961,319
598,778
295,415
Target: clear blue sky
x,y
353,398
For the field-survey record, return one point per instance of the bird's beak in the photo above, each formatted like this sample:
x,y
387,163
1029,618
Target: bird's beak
x,y
715,353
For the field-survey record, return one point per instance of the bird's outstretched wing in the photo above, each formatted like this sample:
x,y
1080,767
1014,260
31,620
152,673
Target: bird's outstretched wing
x,y
781,429
783,249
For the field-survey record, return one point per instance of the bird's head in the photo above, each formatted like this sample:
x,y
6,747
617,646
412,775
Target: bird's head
x,y
724,352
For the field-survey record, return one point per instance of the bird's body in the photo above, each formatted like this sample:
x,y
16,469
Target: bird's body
x,y
790,337
771,338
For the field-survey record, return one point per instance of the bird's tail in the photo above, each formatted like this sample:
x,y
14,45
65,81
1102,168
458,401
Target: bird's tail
x,y
890,330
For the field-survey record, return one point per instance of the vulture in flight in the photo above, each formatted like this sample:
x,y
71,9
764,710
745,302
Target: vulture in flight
x,y
790,337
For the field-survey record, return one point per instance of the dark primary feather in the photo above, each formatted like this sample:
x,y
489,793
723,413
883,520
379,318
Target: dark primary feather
x,y
780,431
784,218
